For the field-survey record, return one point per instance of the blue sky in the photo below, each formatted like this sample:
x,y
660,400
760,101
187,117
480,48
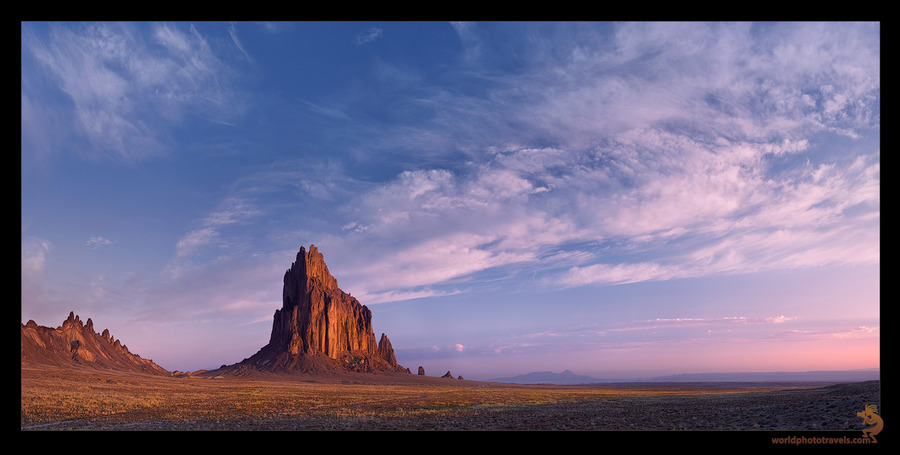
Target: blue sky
x,y
618,199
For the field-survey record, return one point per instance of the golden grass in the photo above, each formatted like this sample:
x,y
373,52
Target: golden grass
x,y
109,400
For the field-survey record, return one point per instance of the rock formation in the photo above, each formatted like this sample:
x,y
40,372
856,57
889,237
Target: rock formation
x,y
319,328
421,371
385,350
76,344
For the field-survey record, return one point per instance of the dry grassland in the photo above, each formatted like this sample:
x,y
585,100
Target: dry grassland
x,y
57,400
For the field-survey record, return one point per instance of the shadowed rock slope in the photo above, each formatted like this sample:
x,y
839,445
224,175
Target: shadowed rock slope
x,y
319,328
76,344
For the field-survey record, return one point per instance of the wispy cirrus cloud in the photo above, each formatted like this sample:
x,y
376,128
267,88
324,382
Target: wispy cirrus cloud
x,y
368,35
660,158
520,158
130,89
209,231
660,142
232,31
719,208
660,323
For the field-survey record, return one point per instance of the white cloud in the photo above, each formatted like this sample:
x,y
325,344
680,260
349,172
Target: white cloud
x,y
128,91
721,206
232,31
433,261
34,256
722,201
195,239
97,242
368,35
858,332
657,324
232,210
666,162
618,274
401,295
469,39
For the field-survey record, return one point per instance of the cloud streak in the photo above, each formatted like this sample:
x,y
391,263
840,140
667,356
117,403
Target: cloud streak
x,y
209,232
368,35
97,242
128,90
669,159
685,152
673,169
717,209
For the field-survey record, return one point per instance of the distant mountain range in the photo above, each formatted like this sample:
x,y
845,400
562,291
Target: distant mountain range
x,y
569,378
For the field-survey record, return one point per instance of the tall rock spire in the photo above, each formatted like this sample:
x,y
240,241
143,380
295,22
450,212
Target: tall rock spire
x,y
316,315
318,320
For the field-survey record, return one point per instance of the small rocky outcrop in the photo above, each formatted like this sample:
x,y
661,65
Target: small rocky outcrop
x,y
421,371
447,375
76,343
385,351
319,328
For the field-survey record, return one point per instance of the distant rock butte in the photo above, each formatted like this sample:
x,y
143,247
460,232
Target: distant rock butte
x,y
319,328
76,344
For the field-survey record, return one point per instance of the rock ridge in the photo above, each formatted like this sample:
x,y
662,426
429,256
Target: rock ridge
x,y
75,343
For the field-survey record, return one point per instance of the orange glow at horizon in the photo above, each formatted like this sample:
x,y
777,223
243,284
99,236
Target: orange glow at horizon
x,y
764,356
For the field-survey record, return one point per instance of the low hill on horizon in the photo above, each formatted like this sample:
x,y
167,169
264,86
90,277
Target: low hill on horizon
x,y
567,377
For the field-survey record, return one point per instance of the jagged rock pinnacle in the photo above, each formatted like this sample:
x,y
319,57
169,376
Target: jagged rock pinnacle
x,y
318,319
76,343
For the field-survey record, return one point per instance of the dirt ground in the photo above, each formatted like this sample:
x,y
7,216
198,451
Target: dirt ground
x,y
92,400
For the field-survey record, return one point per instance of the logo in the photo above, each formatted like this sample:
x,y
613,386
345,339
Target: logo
x,y
870,417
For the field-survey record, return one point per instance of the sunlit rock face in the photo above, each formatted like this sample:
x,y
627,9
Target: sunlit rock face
x,y
318,317
76,344
320,327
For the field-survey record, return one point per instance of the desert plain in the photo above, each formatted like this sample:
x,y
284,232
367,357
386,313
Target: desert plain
x,y
88,399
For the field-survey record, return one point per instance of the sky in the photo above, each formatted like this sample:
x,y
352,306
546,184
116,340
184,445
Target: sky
x,y
617,199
